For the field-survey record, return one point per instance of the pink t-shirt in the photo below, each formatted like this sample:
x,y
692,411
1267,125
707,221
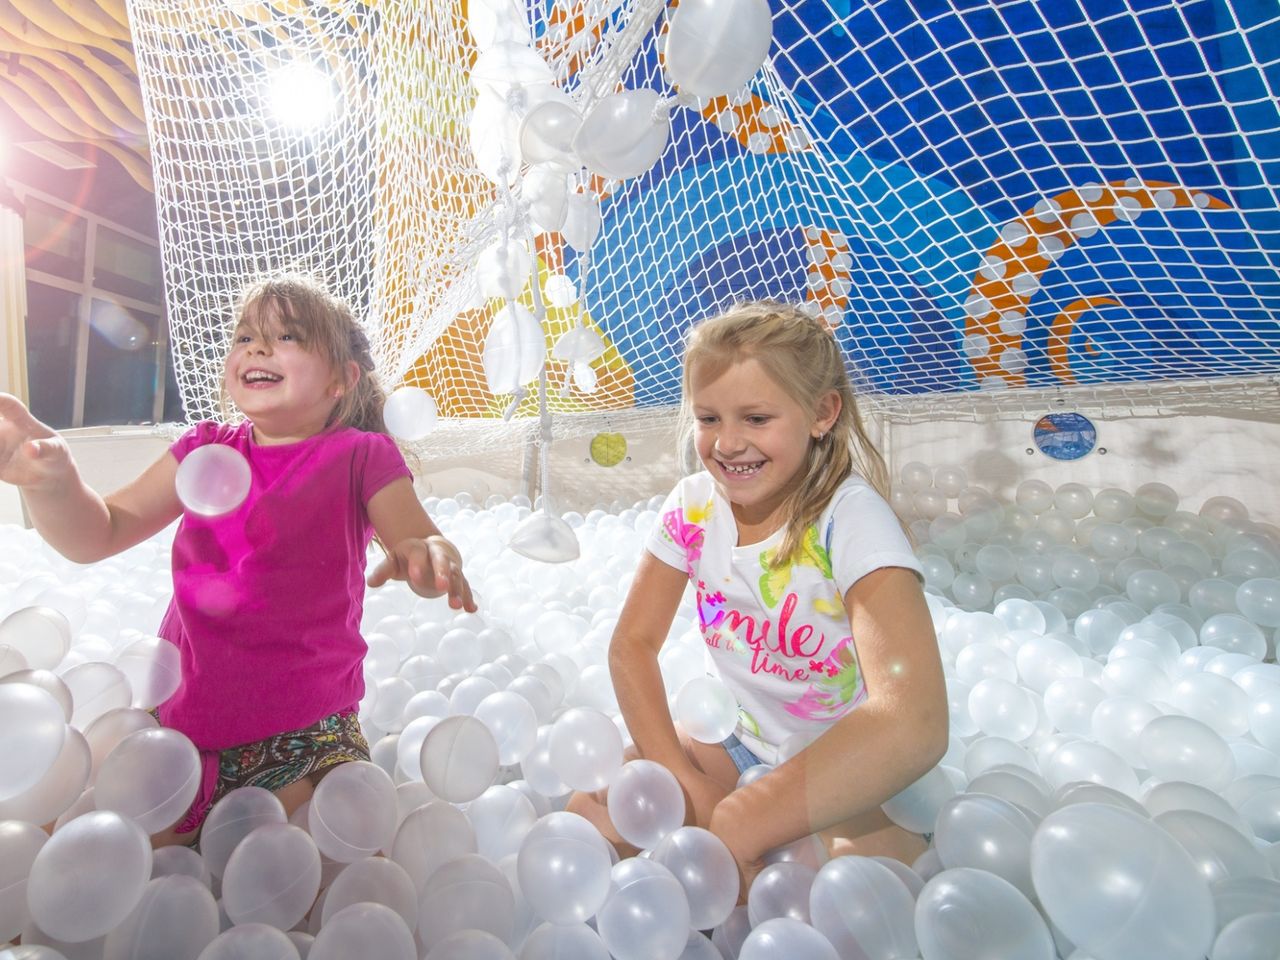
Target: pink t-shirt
x,y
267,599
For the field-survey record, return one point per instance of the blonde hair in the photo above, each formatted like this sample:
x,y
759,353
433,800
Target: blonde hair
x,y
801,356
324,324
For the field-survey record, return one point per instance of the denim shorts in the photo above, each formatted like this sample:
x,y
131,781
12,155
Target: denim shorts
x,y
742,758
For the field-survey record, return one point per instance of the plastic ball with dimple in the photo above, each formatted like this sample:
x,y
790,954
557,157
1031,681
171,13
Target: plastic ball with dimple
x,y
213,480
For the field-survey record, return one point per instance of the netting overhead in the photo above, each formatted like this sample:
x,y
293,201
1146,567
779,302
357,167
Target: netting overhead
x,y
973,195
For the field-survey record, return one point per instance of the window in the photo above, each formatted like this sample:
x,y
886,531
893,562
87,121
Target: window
x,y
55,239
126,266
120,373
53,322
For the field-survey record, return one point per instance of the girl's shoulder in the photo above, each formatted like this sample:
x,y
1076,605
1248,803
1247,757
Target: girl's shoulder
x,y
856,498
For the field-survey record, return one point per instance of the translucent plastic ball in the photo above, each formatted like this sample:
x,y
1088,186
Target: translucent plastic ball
x,y
89,876
430,836
537,768
1075,500
175,917
1070,702
1118,886
585,748
1250,937
706,709
60,787
512,721
19,844
410,413
373,880
470,945
996,563
1234,634
153,668
151,776
1259,600
1084,761
986,833
645,803
96,688
468,893
40,634
213,480
1035,496
1118,722
33,728
857,905
352,813
964,913
563,866
1219,850
272,877
1156,500
1113,505
1213,700
645,915
916,475
250,941
1150,588
1264,719
501,816
781,890
1002,709
1181,748
786,939
916,808
459,759
555,942
707,871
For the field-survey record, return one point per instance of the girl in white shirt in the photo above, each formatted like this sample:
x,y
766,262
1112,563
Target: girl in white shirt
x,y
809,601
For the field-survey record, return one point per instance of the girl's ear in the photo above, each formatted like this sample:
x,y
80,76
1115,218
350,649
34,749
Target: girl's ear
x,y
826,412
350,374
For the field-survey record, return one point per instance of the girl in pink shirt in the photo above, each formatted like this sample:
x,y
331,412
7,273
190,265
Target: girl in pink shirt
x,y
267,597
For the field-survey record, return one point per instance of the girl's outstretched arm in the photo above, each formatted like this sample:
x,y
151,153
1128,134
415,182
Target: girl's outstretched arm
x,y
872,753
416,550
75,520
642,628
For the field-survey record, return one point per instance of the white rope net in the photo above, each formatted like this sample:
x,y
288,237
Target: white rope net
x,y
1023,197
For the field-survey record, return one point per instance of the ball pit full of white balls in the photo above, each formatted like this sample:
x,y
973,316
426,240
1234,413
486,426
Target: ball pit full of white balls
x,y
1111,787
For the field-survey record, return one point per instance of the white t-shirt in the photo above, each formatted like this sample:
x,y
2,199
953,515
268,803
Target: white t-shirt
x,y
779,638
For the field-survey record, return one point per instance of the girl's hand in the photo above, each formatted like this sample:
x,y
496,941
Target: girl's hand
x,y
31,454
701,796
432,568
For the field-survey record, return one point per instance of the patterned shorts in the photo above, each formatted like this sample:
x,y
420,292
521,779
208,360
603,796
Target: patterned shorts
x,y
286,758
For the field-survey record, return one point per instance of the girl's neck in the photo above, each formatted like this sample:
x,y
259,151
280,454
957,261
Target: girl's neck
x,y
280,438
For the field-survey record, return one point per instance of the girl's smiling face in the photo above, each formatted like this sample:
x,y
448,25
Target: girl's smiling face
x,y
753,438
288,390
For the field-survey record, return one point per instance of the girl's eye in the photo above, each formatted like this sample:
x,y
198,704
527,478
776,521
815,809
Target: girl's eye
x,y
705,421
757,420
286,337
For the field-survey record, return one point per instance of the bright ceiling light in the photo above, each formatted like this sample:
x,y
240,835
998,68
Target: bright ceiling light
x,y
300,95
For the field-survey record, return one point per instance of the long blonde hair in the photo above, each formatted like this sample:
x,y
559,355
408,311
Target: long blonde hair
x,y
324,324
802,357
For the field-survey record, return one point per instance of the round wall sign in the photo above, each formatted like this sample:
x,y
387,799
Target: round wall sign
x,y
1065,436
